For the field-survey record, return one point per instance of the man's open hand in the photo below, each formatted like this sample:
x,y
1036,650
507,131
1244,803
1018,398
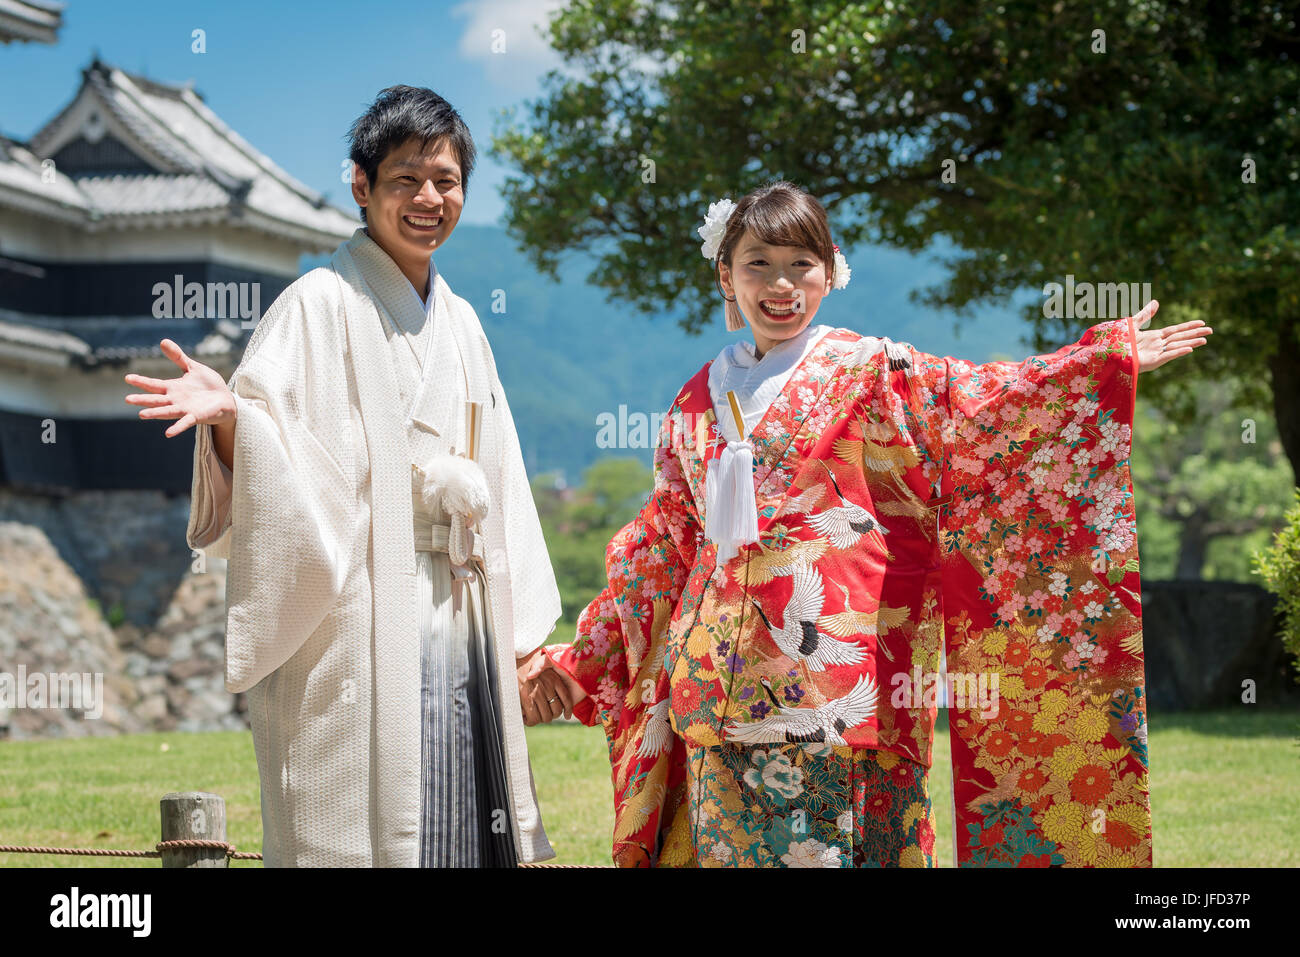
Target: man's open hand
x,y
199,396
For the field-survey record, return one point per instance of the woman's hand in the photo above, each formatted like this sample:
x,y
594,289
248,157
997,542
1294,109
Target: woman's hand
x,y
199,396
545,691
1158,346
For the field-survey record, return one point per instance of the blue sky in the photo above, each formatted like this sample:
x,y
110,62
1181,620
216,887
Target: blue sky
x,y
291,77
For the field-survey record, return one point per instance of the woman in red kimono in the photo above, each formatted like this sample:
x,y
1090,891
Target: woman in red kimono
x,y
841,524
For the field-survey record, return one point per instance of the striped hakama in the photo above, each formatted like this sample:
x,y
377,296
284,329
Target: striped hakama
x,y
466,807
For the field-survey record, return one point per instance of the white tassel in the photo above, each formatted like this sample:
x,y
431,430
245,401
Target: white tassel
x,y
731,514
458,487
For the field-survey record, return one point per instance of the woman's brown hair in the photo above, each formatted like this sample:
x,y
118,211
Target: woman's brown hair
x,y
779,213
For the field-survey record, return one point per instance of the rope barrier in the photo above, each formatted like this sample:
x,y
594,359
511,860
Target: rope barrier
x,y
186,842
83,851
229,848
584,866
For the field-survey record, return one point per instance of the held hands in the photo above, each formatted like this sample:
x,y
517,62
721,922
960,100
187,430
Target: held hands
x,y
545,691
1158,346
198,397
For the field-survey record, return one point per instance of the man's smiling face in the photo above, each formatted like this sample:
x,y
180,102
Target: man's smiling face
x,y
413,204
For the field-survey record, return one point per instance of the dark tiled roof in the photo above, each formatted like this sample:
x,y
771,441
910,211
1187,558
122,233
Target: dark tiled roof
x,y
88,341
29,20
195,162
143,195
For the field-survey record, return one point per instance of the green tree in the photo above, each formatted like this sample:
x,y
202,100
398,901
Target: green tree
x,y
579,522
1115,141
1279,565
1208,496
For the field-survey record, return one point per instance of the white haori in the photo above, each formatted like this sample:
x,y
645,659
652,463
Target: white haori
x,y
322,623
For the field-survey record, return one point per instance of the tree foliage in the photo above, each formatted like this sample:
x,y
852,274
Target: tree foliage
x,y
579,522
1210,495
1280,567
1124,155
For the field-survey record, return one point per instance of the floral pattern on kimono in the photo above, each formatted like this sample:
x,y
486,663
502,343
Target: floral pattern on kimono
x,y
1042,589
982,511
808,806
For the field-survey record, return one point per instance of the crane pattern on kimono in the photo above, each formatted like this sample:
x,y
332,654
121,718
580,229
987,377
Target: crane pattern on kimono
x,y
807,636
1004,453
846,523
825,724
800,637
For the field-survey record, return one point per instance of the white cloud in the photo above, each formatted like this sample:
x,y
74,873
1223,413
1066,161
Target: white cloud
x,y
520,22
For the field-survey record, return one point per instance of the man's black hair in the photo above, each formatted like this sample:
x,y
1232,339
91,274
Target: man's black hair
x,y
399,113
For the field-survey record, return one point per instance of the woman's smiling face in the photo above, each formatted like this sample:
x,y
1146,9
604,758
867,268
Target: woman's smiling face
x,y
778,288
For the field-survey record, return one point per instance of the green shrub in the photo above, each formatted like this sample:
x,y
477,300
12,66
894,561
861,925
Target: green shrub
x,y
1280,567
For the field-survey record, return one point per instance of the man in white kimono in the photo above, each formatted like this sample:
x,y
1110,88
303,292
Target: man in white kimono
x,y
387,581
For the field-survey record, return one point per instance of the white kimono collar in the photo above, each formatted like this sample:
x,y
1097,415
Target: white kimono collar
x,y
431,404
730,509
756,382
426,305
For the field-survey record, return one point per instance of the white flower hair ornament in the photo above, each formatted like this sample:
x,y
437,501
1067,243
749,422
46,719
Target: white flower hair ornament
x,y
715,227
715,224
840,271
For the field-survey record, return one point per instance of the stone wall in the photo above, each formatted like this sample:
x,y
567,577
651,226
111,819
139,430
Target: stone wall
x,y
48,624
102,582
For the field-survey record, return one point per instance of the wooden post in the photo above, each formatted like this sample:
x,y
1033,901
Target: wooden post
x,y
193,814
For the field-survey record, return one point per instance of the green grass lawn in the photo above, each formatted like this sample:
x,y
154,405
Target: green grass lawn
x,y
1223,789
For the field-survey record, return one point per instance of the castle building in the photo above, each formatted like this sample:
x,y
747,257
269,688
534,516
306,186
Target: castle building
x,y
30,22
135,214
